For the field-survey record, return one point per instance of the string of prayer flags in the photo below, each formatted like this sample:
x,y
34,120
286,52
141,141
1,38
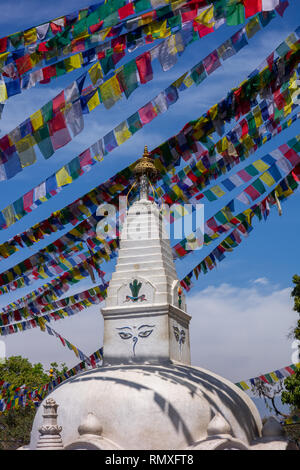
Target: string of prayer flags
x,y
29,267
225,217
147,116
270,377
13,397
41,306
109,54
243,224
54,133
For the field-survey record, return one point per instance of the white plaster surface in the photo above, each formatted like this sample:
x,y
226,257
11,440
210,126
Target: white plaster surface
x,y
151,407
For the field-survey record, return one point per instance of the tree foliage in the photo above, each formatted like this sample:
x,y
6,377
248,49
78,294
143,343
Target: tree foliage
x,y
16,424
291,395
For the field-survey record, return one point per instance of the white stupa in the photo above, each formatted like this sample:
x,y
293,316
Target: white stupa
x,y
147,395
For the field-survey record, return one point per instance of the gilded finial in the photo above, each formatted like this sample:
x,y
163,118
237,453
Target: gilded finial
x,y
145,166
145,172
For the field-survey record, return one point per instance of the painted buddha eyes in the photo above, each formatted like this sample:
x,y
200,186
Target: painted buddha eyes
x,y
135,333
145,334
141,334
125,335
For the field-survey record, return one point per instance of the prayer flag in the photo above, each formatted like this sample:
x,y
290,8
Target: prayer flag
x,y
144,67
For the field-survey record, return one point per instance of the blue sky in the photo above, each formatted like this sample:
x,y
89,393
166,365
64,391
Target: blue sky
x,y
242,311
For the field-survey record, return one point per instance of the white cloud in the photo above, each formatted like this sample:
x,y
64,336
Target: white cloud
x,y
261,280
241,332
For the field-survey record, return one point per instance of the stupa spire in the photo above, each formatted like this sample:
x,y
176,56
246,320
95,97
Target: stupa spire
x,y
145,318
145,172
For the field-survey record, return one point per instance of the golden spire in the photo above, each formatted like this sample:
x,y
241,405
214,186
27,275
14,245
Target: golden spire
x,y
145,166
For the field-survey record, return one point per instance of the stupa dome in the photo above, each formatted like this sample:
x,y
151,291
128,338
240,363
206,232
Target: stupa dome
x,y
152,407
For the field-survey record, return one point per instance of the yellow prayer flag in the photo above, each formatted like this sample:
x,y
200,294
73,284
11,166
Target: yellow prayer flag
x,y
267,179
252,27
84,209
3,57
257,116
3,91
17,270
30,36
110,89
213,112
42,273
122,133
63,177
217,191
36,58
222,145
260,165
65,262
74,349
247,142
179,81
274,376
37,120
9,215
158,29
95,73
206,17
73,62
188,81
244,385
287,109
94,101
200,166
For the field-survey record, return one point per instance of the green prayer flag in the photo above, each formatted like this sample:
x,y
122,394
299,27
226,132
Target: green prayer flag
x,y
42,138
251,170
74,168
175,21
47,111
210,195
142,5
60,68
128,78
258,185
134,123
221,217
16,39
235,14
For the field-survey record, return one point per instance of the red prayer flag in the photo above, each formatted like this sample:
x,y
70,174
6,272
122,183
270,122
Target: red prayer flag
x,y
144,67
126,11
49,72
296,173
28,201
202,29
244,126
59,102
42,47
189,15
252,7
244,175
147,113
55,28
23,64
58,130
95,27
3,44
263,378
252,192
